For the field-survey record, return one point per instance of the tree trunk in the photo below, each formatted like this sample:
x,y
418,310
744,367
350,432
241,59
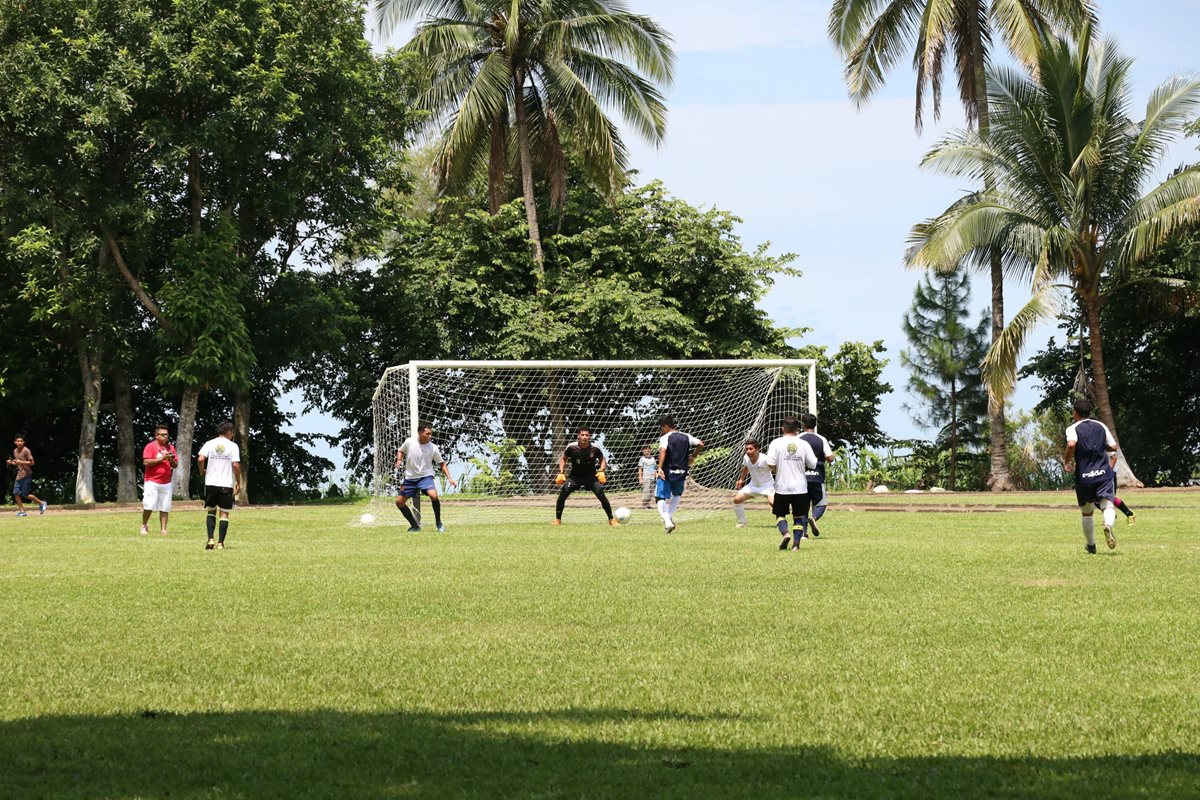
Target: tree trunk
x,y
126,450
184,440
953,432
241,435
89,370
1091,307
535,234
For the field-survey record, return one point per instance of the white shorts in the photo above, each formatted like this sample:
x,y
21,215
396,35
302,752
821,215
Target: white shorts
x,y
766,490
156,496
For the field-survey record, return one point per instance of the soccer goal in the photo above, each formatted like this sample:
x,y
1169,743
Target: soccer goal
x,y
502,425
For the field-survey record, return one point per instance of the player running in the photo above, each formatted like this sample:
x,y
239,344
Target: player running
x,y
818,498
674,462
756,479
792,458
1089,442
418,455
22,459
587,471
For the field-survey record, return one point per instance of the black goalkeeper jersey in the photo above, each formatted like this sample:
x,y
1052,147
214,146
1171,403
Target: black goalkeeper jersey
x,y
583,463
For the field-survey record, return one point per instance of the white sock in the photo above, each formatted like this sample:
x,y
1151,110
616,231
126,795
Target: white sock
x,y
662,510
1110,514
740,510
1089,530
675,498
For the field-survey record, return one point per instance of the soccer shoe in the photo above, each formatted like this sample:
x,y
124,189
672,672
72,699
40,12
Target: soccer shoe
x,y
414,529
22,514
220,545
211,545
441,528
1131,519
812,526
669,525
1090,549
1109,538
796,546
613,522
145,531
740,525
784,544
556,522
42,507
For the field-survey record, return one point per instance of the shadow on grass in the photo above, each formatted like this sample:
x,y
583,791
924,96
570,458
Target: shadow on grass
x,y
337,754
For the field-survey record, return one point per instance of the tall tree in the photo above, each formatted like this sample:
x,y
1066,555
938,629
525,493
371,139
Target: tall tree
x,y
872,35
943,359
529,81
1070,169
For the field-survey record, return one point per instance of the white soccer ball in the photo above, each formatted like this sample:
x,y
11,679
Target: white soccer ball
x,y
367,519
622,514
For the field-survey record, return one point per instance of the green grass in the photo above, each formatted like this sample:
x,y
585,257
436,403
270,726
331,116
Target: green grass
x,y
900,656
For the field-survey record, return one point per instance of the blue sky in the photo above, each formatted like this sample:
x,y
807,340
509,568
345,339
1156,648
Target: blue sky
x,y
760,126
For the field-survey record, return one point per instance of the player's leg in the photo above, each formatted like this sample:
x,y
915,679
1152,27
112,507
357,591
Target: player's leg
x,y
739,509
662,497
567,489
1124,509
408,489
780,504
1086,501
799,519
816,496
19,492
647,492
435,501
33,498
210,515
598,490
676,497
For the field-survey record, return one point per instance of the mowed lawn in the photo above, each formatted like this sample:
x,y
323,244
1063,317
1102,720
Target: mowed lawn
x,y
902,655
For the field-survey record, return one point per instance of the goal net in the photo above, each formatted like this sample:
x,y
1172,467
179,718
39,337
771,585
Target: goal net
x,y
502,427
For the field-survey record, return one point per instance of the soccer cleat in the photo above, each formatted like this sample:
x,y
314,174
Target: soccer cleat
x,y
145,531
211,545
669,525
1131,520
812,526
613,522
796,546
740,525
1109,538
42,507
441,528
786,541
220,545
414,529
1090,548
22,514
556,522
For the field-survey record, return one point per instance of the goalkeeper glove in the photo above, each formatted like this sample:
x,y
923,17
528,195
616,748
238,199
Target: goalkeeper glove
x,y
600,476
561,479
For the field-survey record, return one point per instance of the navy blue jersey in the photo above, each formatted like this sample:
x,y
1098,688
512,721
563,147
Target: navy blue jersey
x,y
1092,440
676,445
820,448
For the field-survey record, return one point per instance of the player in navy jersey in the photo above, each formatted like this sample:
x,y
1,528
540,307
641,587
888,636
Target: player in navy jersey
x,y
1089,443
816,477
582,466
675,459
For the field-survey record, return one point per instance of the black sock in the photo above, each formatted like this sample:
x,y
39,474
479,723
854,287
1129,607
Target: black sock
x,y
437,510
224,530
210,522
408,515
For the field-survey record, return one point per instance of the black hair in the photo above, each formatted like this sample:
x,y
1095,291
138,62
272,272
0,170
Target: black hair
x,y
790,424
809,420
162,427
18,436
583,428
423,425
667,420
1082,406
754,442
224,428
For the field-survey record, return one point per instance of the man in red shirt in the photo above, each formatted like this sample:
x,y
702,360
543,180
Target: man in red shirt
x,y
160,460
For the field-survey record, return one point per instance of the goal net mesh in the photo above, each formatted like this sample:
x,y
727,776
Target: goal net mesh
x,y
502,431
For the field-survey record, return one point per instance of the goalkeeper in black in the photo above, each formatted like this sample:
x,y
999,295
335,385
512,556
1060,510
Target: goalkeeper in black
x,y
582,466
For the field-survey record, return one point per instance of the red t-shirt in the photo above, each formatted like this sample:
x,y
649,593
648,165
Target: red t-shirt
x,y
160,472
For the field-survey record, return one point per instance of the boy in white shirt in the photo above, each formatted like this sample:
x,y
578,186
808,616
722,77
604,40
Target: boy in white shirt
x,y
791,457
220,462
418,455
756,478
647,466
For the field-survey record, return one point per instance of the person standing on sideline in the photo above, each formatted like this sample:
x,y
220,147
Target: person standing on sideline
x,y
22,459
588,466
646,469
159,460
1089,442
675,459
755,479
220,462
792,458
418,455
815,478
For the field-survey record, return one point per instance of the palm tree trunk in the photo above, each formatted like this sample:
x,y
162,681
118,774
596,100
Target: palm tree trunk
x,y
953,432
999,479
126,463
535,234
1091,308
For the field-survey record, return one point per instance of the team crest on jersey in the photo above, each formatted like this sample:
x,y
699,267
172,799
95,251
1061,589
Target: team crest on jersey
x,y
792,449
220,449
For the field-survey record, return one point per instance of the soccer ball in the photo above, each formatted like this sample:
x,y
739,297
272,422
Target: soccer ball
x,y
622,514
367,519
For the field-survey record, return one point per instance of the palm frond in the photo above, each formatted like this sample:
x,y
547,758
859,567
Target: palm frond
x,y
1000,363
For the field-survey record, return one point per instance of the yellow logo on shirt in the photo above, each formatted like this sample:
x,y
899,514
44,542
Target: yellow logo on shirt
x,y
791,448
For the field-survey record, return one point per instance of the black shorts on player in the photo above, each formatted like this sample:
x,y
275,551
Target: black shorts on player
x,y
218,497
794,504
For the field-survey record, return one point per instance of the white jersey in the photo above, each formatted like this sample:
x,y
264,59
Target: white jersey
x,y
647,466
419,459
791,457
220,455
760,472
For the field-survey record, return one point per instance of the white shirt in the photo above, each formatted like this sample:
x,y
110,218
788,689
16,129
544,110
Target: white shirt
x,y
419,459
760,471
791,456
648,466
220,454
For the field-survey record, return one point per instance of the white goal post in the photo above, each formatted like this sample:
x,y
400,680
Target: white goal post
x,y
502,425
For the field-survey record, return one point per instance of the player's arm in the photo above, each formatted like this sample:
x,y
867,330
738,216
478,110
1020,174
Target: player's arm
x,y
400,458
601,474
662,457
696,453
237,477
1069,457
741,481
202,463
446,472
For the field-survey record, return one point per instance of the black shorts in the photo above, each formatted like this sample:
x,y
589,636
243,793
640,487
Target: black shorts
x,y
816,493
795,504
574,484
218,497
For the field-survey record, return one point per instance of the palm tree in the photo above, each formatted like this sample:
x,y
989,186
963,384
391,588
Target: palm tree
x,y
532,78
872,35
1068,207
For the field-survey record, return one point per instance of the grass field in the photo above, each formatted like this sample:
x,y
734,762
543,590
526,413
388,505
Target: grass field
x,y
899,656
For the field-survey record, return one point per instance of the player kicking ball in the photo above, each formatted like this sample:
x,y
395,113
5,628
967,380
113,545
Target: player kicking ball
x,y
418,455
587,467
675,460
756,479
1089,442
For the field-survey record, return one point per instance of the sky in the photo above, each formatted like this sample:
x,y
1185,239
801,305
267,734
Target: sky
x,y
760,125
